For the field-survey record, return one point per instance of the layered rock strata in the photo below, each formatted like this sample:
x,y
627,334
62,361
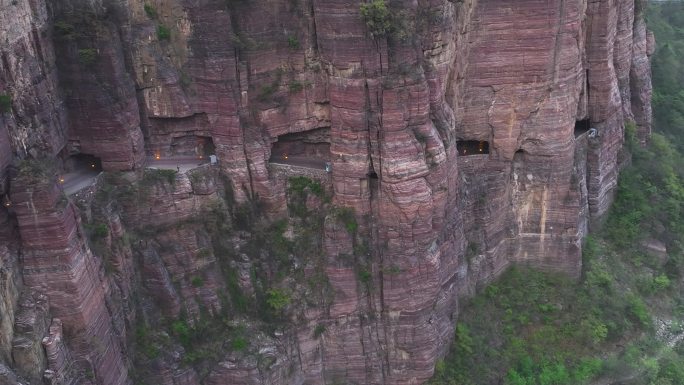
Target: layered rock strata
x,y
459,143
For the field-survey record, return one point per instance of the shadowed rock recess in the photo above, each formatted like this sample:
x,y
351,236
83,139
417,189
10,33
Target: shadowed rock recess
x,y
457,136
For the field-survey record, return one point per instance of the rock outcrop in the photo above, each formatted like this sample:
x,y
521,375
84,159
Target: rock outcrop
x,y
457,140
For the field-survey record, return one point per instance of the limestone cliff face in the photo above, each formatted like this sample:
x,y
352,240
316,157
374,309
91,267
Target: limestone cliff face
x,y
459,141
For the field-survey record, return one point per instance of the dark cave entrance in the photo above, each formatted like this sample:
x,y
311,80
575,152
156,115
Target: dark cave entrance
x,y
194,146
472,147
582,126
371,174
82,162
307,149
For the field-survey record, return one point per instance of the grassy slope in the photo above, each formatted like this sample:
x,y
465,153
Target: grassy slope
x,y
666,20
622,322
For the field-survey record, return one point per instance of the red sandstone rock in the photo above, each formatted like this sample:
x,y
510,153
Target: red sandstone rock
x,y
433,223
31,325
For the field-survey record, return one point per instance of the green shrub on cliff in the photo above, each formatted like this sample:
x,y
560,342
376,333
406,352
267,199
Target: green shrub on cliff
x,y
295,86
377,17
163,32
293,42
100,230
150,10
65,30
318,331
266,91
347,217
87,56
300,183
197,281
5,102
154,176
381,21
239,344
278,299
38,170
182,331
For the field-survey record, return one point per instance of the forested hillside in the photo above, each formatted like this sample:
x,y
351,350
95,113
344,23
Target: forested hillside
x,y
666,20
623,322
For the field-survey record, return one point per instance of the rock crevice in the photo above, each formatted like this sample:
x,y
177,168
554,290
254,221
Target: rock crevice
x,y
365,181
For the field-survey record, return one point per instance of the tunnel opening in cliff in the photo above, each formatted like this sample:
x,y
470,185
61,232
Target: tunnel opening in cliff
x,y
582,126
82,162
472,147
194,146
311,146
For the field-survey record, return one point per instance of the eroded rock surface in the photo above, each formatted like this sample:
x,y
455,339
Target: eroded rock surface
x,y
459,142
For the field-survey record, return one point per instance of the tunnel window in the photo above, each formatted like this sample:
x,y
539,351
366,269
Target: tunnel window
x,y
518,156
582,126
472,147
307,149
206,146
83,162
190,146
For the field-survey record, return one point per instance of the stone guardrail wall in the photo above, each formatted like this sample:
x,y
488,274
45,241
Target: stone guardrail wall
x,y
281,172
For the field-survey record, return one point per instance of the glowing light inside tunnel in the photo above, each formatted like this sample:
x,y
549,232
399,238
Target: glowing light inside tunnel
x,y
472,147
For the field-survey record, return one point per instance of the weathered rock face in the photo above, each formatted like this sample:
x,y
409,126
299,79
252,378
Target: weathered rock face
x,y
57,261
459,143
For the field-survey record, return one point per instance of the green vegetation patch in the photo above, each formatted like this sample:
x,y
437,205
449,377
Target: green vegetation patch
x,y
278,299
537,328
99,230
5,103
318,331
520,331
40,170
267,91
197,281
382,22
377,17
150,10
87,56
295,86
293,42
65,30
347,217
154,176
298,184
298,189
666,20
163,32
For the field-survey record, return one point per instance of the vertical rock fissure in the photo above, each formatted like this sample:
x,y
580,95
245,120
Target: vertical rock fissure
x,y
314,33
377,248
586,82
558,40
